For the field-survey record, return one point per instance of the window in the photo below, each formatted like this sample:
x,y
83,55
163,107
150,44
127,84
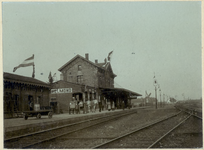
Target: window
x,y
79,67
69,77
61,77
79,79
79,75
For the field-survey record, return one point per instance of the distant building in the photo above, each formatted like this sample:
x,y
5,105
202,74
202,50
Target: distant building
x,y
143,102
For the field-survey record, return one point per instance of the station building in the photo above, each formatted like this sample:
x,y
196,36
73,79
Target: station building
x,y
86,80
79,78
20,91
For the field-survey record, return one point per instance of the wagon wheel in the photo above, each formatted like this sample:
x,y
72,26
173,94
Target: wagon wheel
x,y
38,116
25,116
50,115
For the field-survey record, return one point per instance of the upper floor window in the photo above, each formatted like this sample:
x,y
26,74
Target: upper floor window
x,y
79,79
69,77
79,67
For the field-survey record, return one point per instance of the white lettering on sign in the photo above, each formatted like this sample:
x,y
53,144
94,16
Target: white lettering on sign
x,y
61,90
68,90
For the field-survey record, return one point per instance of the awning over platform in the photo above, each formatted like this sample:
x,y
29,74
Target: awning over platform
x,y
119,90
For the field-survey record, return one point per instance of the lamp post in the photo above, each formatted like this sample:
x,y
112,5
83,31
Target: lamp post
x,y
160,97
156,96
155,84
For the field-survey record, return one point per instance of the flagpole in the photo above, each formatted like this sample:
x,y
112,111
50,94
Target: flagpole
x,y
33,76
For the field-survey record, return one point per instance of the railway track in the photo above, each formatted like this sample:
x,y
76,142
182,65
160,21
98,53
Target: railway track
x,y
146,136
187,135
28,140
86,139
142,137
193,112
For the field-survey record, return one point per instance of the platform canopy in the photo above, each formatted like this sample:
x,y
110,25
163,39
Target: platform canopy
x,y
13,78
120,91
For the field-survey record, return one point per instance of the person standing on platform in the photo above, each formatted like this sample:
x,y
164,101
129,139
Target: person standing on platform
x,y
80,106
77,107
72,106
89,105
95,104
109,105
100,105
113,105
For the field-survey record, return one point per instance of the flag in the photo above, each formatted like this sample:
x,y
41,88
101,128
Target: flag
x,y
110,55
28,62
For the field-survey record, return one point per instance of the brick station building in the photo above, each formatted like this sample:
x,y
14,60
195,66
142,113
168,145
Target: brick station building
x,y
85,80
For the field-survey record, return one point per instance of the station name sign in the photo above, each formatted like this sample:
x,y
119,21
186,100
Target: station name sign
x,y
61,90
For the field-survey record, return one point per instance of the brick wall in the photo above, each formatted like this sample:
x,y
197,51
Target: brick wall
x,y
92,75
63,99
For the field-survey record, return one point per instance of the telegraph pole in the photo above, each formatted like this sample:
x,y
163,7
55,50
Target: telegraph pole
x,y
160,98
163,100
156,96
155,84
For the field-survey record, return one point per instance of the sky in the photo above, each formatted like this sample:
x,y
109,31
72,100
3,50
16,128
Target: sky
x,y
147,39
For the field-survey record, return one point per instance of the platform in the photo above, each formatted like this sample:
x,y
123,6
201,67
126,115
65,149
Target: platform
x,y
19,126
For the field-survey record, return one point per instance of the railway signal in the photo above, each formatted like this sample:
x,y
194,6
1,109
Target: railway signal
x,y
147,97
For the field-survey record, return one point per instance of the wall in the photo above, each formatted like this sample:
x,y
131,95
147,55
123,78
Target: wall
x,y
92,75
89,71
63,99
16,97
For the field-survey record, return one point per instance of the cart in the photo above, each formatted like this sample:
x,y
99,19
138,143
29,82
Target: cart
x,y
37,114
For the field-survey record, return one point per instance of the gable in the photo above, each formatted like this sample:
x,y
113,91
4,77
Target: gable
x,y
74,61
109,70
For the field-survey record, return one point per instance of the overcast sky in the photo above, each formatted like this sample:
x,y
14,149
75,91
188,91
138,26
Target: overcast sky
x,y
146,37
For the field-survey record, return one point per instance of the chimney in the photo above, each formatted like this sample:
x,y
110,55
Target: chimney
x,y
87,56
96,61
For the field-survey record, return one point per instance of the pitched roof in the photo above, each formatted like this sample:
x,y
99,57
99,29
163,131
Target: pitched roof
x,y
23,79
77,56
99,65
